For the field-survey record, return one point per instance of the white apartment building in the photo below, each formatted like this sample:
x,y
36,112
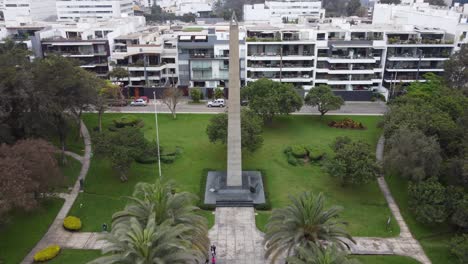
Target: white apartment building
x,y
181,7
26,11
284,11
74,10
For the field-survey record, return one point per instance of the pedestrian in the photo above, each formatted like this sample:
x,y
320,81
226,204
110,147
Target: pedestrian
x,y
207,261
213,259
213,249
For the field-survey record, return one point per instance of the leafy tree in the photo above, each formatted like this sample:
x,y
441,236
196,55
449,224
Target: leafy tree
x,y
320,255
353,163
362,12
455,70
196,95
460,215
118,73
459,248
428,201
340,142
268,98
159,202
305,222
424,117
148,243
335,8
352,7
412,155
323,98
108,92
251,129
171,98
27,169
122,147
218,93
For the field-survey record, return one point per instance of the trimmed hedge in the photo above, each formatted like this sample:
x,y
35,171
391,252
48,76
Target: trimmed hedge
x,y
128,120
298,151
47,253
72,223
298,154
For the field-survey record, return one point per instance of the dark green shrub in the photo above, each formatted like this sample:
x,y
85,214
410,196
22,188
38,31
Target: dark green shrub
x,y
128,120
287,150
298,151
315,154
168,159
292,160
196,95
459,248
112,128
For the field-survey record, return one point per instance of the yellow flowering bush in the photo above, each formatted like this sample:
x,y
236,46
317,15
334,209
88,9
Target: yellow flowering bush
x,y
72,223
47,253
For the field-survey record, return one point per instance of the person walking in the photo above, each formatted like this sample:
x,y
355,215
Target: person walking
x,y
213,250
213,259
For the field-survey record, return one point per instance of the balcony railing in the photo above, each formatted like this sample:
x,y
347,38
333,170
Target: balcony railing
x,y
419,41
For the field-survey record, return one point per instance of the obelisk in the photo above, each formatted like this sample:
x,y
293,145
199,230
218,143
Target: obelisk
x,y
234,147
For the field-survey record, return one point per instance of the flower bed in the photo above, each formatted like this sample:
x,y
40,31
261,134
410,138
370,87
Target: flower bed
x,y
347,123
47,253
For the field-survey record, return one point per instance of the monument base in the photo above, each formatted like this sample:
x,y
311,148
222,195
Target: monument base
x,y
249,194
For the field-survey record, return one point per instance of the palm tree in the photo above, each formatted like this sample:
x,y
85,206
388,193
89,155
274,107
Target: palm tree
x,y
166,205
145,244
313,254
302,223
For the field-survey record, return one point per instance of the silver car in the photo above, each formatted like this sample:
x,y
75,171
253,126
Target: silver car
x,y
138,102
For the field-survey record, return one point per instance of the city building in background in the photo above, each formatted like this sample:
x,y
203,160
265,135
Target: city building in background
x,y
74,10
285,11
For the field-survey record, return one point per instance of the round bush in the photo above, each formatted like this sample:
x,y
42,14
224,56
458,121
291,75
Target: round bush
x,y
298,151
292,160
128,120
315,154
168,159
47,253
72,223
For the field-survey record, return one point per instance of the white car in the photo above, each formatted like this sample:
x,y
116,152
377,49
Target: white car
x,y
138,102
216,103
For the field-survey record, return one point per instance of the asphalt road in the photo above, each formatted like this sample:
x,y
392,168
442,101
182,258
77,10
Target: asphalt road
x,y
350,108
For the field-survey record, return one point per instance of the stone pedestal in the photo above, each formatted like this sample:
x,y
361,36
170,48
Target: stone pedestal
x,y
250,193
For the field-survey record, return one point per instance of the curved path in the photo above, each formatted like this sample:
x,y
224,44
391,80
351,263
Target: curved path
x,y
56,234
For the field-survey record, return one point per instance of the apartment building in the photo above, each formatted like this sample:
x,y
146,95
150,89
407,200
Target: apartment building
x,y
75,10
284,11
26,11
203,57
150,57
87,43
182,7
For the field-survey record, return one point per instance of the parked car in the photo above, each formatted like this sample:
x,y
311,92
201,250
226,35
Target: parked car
x,y
138,102
216,103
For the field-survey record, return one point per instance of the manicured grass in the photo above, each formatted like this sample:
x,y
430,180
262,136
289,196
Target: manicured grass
x,y
209,216
71,171
261,219
75,256
25,229
371,259
364,206
434,239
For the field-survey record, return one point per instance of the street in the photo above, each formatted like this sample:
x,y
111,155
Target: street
x,y
350,108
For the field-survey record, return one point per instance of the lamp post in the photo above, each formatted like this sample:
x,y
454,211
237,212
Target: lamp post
x,y
157,133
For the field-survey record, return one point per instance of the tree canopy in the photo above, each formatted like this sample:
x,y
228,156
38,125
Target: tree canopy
x,y
268,98
323,98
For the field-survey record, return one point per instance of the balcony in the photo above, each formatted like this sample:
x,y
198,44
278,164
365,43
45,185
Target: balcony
x,y
419,42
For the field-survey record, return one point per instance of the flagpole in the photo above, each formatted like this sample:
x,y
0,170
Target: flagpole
x,y
157,133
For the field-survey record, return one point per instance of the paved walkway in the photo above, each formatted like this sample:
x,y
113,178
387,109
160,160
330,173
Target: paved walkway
x,y
405,244
56,231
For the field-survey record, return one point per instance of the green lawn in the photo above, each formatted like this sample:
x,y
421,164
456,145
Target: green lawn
x,y
364,206
24,230
73,142
370,259
434,239
71,171
75,256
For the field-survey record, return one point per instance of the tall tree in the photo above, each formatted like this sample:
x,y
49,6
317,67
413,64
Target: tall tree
x,y
268,98
251,129
456,70
27,169
353,163
323,98
352,7
428,201
145,243
304,222
412,155
160,202
122,147
108,92
171,98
